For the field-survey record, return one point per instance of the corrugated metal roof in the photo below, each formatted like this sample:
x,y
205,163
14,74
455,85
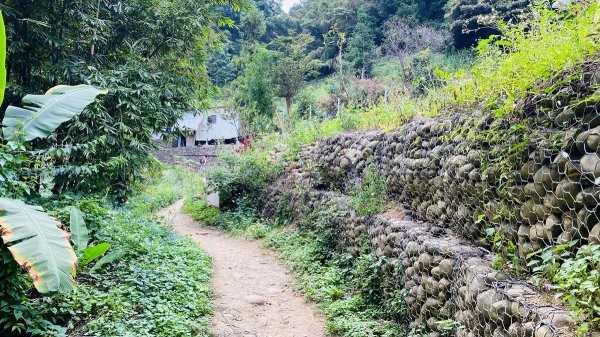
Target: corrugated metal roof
x,y
190,121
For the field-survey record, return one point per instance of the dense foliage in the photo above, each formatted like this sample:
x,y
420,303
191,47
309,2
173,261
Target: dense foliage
x,y
160,284
471,21
240,179
576,277
150,55
341,39
145,289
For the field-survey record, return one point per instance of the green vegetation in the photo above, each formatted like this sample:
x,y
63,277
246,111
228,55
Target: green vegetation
x,y
151,282
159,286
149,54
48,256
253,89
519,61
240,179
200,211
292,68
405,48
512,65
83,151
473,20
390,68
362,51
575,276
506,69
244,223
348,290
80,158
340,40
370,195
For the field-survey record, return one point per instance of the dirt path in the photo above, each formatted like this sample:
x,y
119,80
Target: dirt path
x,y
253,292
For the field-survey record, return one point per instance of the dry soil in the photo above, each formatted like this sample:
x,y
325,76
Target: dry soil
x,y
254,293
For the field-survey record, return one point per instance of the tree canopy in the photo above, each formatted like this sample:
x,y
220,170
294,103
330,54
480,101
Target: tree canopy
x,y
149,54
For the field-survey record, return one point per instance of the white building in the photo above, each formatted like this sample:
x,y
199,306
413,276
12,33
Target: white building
x,y
208,127
218,126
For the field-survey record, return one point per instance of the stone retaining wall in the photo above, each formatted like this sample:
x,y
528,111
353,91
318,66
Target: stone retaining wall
x,y
529,180
443,277
535,185
185,156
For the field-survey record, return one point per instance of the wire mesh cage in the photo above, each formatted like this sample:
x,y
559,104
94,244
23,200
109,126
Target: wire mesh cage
x,y
491,198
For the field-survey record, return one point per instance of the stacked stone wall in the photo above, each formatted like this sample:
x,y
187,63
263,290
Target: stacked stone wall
x,y
185,156
529,180
443,277
536,184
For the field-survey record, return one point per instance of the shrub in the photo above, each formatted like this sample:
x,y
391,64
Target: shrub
x,y
200,211
159,287
158,284
240,178
329,104
19,314
344,287
577,277
365,92
472,20
511,65
304,101
369,194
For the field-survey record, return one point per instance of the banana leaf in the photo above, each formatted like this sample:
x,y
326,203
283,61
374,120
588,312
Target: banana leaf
x,y
80,236
42,114
2,58
36,243
94,252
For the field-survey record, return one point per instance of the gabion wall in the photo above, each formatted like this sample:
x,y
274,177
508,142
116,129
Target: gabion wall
x,y
537,186
444,278
533,178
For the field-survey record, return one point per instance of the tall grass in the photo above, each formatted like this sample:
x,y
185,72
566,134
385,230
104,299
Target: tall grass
x,y
506,68
510,66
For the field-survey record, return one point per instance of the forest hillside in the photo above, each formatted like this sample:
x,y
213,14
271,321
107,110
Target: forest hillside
x,y
391,168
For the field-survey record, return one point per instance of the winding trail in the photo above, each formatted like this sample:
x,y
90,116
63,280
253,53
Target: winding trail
x,y
254,296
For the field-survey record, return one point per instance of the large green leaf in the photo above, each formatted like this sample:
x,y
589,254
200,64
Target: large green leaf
x,y
36,243
94,252
108,258
2,59
80,236
42,114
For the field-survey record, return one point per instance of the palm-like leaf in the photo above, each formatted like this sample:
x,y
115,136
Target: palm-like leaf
x,y
42,114
79,231
2,59
37,244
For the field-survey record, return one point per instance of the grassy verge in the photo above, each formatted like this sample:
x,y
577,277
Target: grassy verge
x,y
347,290
158,286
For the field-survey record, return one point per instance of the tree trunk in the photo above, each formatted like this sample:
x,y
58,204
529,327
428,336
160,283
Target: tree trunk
x,y
405,78
289,101
341,65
